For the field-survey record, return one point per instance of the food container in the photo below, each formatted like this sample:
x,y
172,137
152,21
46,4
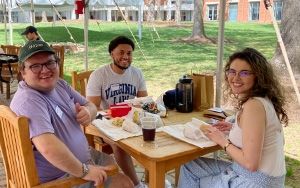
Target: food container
x,y
119,110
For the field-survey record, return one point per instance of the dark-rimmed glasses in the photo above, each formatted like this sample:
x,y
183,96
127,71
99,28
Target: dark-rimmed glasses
x,y
242,74
37,68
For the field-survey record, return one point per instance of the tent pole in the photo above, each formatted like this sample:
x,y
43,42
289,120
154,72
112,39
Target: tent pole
x,y
282,47
220,53
141,8
86,25
32,13
5,19
9,23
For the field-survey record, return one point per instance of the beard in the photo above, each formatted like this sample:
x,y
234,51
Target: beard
x,y
121,67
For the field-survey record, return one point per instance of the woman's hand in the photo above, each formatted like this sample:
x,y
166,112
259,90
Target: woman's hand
x,y
223,126
216,136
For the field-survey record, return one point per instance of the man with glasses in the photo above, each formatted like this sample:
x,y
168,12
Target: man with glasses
x,y
56,111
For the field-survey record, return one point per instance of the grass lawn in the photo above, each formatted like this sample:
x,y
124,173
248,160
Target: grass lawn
x,y
167,58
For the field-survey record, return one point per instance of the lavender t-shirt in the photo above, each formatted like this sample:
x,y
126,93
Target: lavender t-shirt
x,y
52,112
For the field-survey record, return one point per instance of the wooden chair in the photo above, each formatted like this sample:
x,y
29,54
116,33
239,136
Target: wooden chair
x,y
5,73
18,155
79,82
11,49
60,52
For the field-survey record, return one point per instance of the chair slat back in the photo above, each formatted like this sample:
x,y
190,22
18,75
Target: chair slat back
x,y
60,52
17,152
16,149
11,49
5,70
80,80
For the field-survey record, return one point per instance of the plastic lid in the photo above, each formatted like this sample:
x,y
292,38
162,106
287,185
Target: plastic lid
x,y
185,80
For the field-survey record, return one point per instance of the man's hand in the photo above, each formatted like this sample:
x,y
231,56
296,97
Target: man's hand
x,y
96,174
83,115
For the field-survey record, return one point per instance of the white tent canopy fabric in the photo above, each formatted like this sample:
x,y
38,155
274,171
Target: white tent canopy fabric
x,y
123,3
106,3
40,4
100,3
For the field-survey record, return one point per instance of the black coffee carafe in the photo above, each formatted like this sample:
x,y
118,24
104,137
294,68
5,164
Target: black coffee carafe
x,y
184,94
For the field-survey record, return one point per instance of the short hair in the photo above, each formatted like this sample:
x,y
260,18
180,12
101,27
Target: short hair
x,y
119,40
30,29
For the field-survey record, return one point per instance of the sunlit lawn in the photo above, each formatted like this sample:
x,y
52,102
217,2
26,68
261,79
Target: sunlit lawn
x,y
166,58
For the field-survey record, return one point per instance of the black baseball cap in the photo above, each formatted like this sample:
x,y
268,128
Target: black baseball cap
x,y
33,47
29,29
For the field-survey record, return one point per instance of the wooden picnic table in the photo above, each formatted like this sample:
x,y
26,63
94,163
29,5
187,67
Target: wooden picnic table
x,y
166,154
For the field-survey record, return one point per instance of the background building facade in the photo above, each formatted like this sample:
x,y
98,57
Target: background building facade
x,y
164,10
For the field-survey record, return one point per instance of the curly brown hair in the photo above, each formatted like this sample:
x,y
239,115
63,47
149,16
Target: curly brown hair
x,y
266,83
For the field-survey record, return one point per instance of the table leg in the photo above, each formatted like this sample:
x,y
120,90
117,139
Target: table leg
x,y
8,90
146,176
1,86
177,170
157,175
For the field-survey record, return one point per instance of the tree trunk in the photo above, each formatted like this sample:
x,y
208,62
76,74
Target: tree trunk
x,y
290,32
158,13
198,27
151,11
169,10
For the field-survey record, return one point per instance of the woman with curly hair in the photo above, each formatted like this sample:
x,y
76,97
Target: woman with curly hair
x,y
256,140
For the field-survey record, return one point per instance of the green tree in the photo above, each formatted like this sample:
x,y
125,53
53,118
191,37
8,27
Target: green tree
x,y
290,32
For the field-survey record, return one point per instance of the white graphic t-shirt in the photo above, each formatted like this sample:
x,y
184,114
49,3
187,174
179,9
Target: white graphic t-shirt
x,y
115,88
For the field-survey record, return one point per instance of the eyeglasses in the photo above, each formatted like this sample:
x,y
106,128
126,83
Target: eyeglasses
x,y
242,74
37,68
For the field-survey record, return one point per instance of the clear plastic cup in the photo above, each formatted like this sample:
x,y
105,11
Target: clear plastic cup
x,y
148,127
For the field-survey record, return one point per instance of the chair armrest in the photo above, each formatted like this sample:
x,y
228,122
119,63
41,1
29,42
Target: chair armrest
x,y
113,170
64,182
72,181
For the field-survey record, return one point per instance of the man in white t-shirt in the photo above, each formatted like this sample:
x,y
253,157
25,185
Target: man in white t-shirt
x,y
113,83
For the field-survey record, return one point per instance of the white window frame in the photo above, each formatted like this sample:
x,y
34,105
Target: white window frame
x,y
250,11
217,12
274,8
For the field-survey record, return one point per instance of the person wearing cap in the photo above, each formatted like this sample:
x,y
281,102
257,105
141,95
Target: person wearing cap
x,y
113,83
31,33
56,112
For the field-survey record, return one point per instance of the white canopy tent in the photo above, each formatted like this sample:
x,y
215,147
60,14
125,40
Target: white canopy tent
x,y
59,5
46,4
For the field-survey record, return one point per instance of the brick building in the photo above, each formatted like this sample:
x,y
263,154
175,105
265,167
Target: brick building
x,y
242,10
236,10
